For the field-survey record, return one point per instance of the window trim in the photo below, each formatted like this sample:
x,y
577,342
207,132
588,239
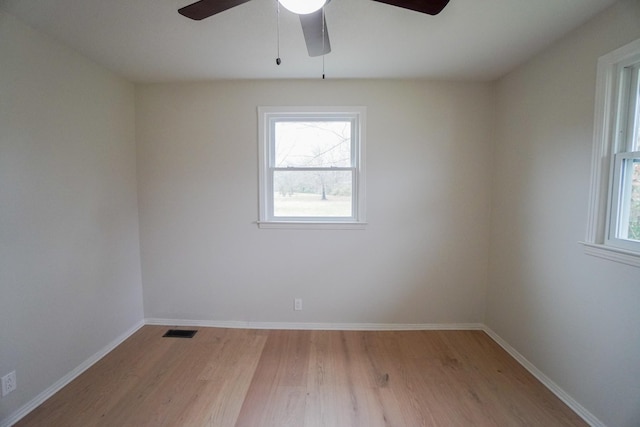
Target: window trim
x,y
266,115
605,143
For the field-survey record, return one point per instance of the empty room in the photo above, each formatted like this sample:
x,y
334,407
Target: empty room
x,y
362,213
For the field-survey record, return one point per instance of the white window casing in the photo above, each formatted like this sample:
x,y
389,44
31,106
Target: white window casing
x,y
351,170
615,154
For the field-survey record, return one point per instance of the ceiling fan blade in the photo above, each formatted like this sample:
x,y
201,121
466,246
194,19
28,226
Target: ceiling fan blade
x,y
431,7
206,8
314,27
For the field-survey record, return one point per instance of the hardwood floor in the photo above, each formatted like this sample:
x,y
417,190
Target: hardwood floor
x,y
234,377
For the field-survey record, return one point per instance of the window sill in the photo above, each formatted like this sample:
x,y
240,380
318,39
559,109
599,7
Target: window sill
x,y
313,225
623,256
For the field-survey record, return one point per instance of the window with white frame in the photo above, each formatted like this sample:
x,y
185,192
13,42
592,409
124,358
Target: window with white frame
x,y
312,167
614,214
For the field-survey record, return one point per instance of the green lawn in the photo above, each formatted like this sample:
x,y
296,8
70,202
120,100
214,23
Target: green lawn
x,y
305,204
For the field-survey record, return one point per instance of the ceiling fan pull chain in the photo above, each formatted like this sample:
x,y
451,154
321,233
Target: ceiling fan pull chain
x,y
278,60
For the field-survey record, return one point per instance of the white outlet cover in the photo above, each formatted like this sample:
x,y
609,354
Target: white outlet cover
x,y
8,383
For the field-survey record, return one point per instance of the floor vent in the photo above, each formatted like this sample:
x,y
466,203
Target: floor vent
x,y
180,333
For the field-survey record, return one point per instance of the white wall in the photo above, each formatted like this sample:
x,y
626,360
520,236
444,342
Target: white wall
x,y
576,317
70,278
422,259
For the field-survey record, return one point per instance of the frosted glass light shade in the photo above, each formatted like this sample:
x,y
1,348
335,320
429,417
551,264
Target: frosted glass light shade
x,y
303,7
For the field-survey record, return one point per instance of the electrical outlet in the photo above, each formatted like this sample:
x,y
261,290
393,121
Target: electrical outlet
x,y
9,383
297,304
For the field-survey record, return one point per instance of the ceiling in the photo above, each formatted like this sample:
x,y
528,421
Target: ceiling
x,y
148,41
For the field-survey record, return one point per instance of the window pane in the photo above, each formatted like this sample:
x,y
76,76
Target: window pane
x,y
634,110
312,144
630,207
636,143
312,194
634,205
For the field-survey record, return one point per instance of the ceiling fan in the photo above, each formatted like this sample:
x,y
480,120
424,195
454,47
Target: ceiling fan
x,y
311,15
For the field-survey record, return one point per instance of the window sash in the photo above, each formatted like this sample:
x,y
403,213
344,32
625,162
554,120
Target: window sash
x,y
628,108
621,201
633,111
271,189
625,142
319,118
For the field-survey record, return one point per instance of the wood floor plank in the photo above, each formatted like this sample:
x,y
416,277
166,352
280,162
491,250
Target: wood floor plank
x,y
225,381
342,382
277,393
170,386
236,377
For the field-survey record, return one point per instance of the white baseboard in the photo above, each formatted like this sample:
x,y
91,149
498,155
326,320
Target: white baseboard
x,y
58,385
317,326
591,419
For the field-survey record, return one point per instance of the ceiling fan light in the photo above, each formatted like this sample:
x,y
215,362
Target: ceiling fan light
x,y
303,7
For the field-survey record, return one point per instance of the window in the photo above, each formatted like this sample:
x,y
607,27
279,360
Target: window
x,y
614,212
312,167
624,209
